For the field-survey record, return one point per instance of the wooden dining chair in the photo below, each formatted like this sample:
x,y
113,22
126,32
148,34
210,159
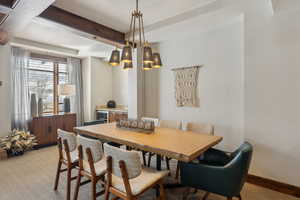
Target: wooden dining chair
x,y
92,165
166,124
126,178
197,127
67,144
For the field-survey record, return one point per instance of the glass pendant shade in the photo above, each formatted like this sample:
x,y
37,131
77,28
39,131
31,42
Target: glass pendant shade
x,y
147,66
147,55
156,60
127,54
127,66
115,58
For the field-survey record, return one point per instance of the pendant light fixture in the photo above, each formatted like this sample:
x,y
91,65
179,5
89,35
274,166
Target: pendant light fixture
x,y
115,58
147,66
128,66
156,61
149,59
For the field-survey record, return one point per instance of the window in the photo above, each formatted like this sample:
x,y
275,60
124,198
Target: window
x,y
45,73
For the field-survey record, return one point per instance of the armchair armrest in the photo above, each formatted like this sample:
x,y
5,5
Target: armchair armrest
x,y
224,180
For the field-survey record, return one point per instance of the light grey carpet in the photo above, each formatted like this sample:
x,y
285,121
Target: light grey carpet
x,y
31,177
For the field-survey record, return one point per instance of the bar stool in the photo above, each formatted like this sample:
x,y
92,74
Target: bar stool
x,y
67,156
92,165
126,178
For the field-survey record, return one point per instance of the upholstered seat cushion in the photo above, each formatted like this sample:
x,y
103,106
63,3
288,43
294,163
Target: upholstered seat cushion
x,y
143,181
100,166
73,155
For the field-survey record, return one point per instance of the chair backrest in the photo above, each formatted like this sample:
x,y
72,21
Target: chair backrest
x,y
240,164
94,145
198,127
70,137
156,120
131,158
170,124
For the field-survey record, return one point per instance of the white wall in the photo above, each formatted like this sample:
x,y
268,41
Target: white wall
x,y
97,85
86,84
102,83
5,122
120,86
221,79
248,86
272,95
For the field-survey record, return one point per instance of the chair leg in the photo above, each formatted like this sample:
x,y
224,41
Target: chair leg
x,y
57,175
161,191
240,197
69,174
77,186
94,189
205,196
177,171
107,193
144,158
168,165
149,159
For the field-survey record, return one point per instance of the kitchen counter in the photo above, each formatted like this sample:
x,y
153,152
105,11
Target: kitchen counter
x,y
117,109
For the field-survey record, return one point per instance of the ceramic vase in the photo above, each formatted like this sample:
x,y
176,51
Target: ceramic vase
x,y
33,106
40,106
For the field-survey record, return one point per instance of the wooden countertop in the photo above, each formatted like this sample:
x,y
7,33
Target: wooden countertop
x,y
117,109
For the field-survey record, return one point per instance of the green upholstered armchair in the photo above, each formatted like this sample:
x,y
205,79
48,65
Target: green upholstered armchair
x,y
219,172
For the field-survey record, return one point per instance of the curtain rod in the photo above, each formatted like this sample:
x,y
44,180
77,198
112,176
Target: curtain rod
x,y
180,68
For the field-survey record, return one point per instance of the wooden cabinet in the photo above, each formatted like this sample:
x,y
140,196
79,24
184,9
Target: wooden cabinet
x,y
45,127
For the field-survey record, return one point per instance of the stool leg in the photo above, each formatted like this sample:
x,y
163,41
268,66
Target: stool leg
x,y
57,175
77,186
69,174
161,191
94,189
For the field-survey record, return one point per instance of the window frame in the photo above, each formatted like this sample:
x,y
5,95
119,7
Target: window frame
x,y
56,61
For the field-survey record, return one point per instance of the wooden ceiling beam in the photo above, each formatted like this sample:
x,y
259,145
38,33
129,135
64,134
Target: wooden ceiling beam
x,y
74,21
9,3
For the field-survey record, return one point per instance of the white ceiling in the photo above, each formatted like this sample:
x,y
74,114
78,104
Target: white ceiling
x,y
116,13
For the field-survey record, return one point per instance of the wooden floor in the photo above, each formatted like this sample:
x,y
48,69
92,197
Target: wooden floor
x,y
31,177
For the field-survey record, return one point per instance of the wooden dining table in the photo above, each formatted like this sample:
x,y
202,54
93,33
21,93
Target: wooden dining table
x,y
181,145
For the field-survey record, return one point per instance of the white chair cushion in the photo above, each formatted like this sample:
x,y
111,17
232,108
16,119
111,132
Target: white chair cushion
x,y
170,124
73,155
70,137
140,183
100,166
94,145
131,159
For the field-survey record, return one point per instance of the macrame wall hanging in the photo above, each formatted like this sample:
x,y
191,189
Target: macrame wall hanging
x,y
186,81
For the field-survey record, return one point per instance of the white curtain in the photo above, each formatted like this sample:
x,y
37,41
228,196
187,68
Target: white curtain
x,y
20,111
75,78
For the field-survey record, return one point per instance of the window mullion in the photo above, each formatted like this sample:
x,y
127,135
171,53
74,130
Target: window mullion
x,y
55,88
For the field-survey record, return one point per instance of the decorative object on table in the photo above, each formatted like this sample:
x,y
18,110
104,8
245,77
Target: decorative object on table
x,y
136,125
3,154
111,104
150,60
33,106
18,142
40,107
186,82
66,90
